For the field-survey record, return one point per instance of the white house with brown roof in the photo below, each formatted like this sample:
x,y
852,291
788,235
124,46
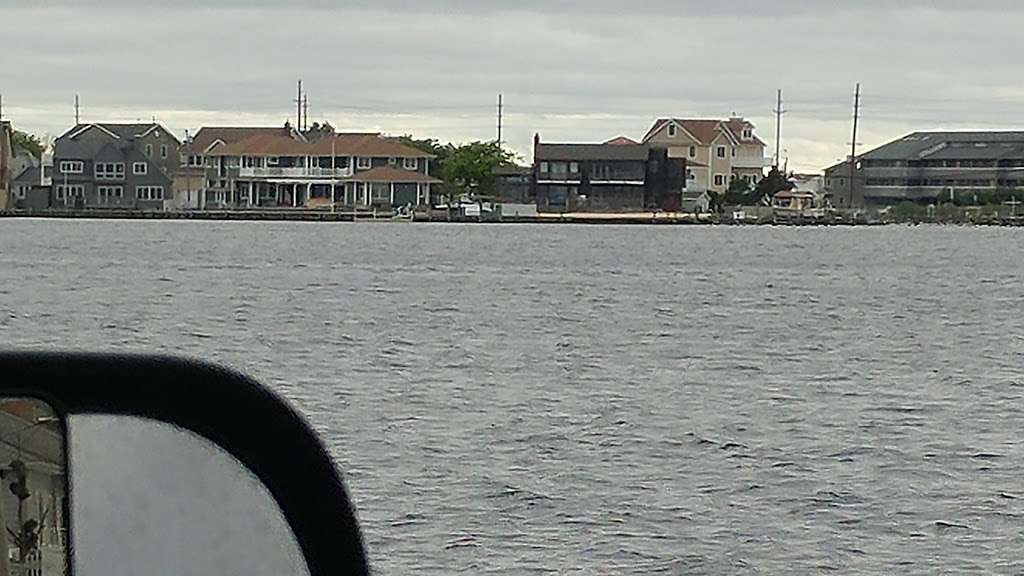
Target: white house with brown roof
x,y
248,167
717,151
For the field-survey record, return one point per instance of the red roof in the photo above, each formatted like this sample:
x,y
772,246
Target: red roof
x,y
621,141
345,144
388,174
705,130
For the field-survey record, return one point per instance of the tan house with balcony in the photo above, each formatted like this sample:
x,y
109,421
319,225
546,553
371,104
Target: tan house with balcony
x,y
248,167
717,151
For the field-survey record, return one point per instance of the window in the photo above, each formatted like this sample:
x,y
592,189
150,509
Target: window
x,y
364,163
140,168
720,179
273,161
574,167
748,133
544,167
392,161
109,170
671,130
720,152
733,151
693,151
163,150
71,191
108,193
149,192
149,150
72,167
410,163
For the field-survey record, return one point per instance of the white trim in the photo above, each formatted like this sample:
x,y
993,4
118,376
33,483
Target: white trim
x,y
111,170
560,182
137,172
359,162
150,129
415,163
64,170
617,182
212,144
88,127
151,192
723,127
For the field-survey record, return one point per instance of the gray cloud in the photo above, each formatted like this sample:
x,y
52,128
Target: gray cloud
x,y
570,70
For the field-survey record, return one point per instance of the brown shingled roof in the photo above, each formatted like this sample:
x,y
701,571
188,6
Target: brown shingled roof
x,y
207,135
390,174
345,144
704,130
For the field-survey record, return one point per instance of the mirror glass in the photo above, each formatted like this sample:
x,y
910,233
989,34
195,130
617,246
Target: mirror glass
x,y
150,498
33,496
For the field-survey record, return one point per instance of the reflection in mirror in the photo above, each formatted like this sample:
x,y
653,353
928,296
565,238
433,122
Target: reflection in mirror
x,y
33,496
150,498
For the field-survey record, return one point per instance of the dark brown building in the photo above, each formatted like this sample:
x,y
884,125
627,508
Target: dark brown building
x,y
611,177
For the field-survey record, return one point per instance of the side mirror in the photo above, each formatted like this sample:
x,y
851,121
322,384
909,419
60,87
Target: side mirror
x,y
125,465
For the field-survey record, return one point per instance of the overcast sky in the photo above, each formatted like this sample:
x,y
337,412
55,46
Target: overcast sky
x,y
584,70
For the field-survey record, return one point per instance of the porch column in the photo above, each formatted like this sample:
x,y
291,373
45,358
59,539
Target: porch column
x,y
392,186
295,195
309,191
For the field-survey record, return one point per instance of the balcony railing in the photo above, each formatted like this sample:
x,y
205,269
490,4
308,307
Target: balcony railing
x,y
278,172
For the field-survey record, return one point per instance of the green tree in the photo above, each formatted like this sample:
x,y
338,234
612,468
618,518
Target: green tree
x,y
774,182
739,192
29,142
469,168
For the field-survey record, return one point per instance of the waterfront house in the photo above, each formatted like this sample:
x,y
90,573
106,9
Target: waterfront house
x,y
248,167
928,167
107,165
6,164
717,151
606,177
512,184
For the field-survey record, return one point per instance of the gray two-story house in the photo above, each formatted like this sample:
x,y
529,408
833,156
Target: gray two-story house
x,y
107,165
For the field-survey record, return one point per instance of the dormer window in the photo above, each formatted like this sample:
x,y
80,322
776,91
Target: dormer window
x,y
671,130
748,133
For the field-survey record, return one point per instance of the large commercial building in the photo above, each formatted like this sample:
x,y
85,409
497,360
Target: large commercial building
x,y
926,167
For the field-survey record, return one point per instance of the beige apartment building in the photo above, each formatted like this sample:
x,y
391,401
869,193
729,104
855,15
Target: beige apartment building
x,y
716,151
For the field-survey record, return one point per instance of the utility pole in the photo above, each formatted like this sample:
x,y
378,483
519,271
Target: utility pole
x,y
298,108
501,109
853,144
78,117
778,129
305,113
